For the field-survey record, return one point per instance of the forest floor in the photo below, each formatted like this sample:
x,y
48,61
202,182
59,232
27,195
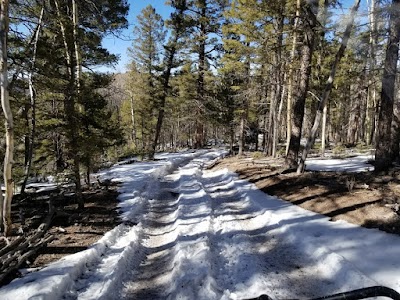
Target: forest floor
x,y
190,228
367,198
74,229
79,229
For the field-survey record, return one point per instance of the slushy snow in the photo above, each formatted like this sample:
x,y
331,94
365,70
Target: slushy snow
x,y
192,233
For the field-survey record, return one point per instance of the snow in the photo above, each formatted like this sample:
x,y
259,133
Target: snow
x,y
357,163
192,233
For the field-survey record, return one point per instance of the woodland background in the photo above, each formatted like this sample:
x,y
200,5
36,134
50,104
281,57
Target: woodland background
x,y
248,74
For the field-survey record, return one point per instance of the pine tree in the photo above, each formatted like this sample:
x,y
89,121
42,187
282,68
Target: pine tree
x,y
100,130
387,142
51,63
308,25
240,31
147,46
178,25
204,17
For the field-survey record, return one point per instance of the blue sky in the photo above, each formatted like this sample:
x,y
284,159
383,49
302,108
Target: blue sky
x,y
120,45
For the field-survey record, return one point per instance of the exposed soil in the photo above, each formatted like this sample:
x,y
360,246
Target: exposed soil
x,y
74,229
367,199
78,229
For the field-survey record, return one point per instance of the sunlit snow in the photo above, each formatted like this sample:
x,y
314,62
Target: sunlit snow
x,y
192,233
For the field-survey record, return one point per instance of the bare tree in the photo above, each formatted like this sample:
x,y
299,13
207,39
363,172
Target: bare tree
x,y
9,124
32,95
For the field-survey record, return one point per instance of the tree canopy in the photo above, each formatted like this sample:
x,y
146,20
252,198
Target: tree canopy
x,y
249,74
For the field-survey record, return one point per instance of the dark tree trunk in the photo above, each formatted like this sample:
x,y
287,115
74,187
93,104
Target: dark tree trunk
x,y
199,136
308,25
88,170
328,87
278,83
384,145
354,114
161,109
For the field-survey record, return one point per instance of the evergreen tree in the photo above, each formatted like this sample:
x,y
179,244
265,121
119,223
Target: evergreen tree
x,y
177,24
100,129
205,18
62,42
147,46
235,62
387,145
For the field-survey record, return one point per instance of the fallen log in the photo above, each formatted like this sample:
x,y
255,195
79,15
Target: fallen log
x,y
15,261
10,246
23,248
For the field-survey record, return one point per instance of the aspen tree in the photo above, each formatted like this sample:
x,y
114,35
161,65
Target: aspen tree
x,y
9,122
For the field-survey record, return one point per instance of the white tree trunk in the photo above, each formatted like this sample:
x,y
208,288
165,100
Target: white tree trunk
x,y
133,133
75,22
63,33
32,96
323,131
9,124
241,132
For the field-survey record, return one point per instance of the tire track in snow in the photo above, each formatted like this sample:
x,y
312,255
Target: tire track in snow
x,y
150,279
205,236
255,254
101,278
177,263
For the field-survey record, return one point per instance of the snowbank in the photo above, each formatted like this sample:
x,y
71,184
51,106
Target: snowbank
x,y
224,239
354,164
140,182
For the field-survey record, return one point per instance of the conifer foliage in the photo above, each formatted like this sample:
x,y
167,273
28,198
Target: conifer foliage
x,y
61,113
252,73
248,74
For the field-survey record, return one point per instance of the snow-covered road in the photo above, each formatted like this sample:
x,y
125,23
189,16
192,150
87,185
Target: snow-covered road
x,y
191,233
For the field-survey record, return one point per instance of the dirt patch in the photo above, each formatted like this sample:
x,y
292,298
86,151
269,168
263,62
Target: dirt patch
x,y
74,229
366,199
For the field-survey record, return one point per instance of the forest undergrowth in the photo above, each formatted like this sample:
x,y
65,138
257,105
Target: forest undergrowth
x,y
74,229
